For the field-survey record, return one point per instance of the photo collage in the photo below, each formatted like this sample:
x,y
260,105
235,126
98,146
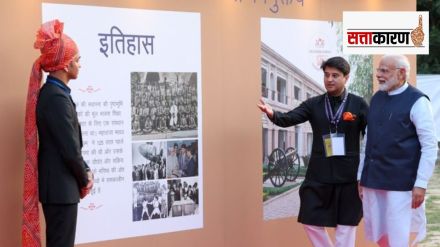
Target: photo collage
x,y
165,160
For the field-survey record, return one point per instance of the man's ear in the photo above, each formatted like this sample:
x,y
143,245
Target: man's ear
x,y
402,73
66,68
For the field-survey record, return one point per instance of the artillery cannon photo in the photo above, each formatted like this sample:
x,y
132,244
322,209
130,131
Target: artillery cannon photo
x,y
283,166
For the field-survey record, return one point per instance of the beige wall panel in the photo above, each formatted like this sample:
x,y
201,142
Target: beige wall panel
x,y
231,121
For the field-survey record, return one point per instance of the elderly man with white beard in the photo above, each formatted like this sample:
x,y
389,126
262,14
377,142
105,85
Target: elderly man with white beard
x,y
398,157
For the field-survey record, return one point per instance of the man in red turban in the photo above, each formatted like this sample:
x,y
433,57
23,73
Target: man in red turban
x,y
55,170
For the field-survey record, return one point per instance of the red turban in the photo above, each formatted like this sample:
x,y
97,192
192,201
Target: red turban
x,y
57,51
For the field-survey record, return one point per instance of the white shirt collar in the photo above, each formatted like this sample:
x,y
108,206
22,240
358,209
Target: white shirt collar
x,y
399,90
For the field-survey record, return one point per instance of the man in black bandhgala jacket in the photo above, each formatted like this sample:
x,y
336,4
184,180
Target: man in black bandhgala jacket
x,y
329,195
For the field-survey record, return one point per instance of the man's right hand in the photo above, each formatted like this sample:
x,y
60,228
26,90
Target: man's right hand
x,y
265,108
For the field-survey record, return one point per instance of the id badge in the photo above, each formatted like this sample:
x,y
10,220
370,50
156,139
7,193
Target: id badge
x,y
334,144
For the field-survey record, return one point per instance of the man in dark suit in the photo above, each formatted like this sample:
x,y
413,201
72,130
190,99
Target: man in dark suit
x,y
328,194
191,167
63,175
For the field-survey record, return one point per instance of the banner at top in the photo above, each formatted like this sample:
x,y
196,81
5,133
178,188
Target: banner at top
x,y
385,32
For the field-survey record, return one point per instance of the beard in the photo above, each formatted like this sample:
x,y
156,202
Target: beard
x,y
388,84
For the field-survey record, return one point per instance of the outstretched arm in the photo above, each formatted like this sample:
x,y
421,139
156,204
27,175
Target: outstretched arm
x,y
296,116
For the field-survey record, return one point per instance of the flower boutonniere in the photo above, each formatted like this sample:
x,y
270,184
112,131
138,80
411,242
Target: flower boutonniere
x,y
348,116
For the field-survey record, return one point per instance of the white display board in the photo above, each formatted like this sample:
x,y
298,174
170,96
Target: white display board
x,y
138,98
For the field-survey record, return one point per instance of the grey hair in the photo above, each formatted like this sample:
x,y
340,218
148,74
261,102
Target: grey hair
x,y
401,61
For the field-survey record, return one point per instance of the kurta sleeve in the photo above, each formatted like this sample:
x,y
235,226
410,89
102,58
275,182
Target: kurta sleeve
x,y
422,117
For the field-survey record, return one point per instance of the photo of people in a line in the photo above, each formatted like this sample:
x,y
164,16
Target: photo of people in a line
x,y
163,105
183,197
149,160
182,159
150,200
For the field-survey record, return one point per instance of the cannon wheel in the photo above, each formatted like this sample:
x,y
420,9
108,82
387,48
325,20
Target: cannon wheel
x,y
277,167
294,164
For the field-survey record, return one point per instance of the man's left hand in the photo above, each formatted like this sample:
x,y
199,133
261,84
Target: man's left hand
x,y
86,190
418,196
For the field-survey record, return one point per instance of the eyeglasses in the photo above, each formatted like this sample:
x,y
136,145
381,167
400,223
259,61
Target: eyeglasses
x,y
385,71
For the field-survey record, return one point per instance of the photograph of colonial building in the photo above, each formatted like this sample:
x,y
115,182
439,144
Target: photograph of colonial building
x,y
284,86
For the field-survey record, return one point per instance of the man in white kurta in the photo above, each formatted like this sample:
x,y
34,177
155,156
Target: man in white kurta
x,y
173,119
397,158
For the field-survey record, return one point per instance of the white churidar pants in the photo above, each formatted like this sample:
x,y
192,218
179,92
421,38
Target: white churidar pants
x,y
318,236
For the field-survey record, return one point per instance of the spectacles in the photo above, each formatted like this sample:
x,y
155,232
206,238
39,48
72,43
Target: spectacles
x,y
385,71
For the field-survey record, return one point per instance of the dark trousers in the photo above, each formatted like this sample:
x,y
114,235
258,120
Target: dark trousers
x,y
60,224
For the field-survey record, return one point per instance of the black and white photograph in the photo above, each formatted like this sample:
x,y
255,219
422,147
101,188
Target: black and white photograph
x,y
183,197
149,160
150,200
163,105
182,158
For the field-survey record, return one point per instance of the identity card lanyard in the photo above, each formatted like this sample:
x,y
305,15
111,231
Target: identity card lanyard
x,y
334,143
